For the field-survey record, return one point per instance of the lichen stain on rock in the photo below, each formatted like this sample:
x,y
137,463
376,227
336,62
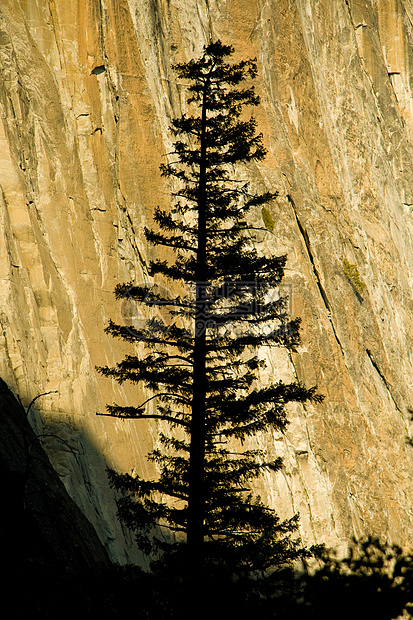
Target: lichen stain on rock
x,y
86,97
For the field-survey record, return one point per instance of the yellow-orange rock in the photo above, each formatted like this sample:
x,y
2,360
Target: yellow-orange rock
x,y
86,97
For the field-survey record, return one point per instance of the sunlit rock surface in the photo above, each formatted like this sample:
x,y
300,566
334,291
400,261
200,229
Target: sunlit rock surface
x,y
86,97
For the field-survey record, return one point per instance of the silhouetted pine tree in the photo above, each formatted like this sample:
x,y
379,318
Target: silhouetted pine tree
x,y
201,363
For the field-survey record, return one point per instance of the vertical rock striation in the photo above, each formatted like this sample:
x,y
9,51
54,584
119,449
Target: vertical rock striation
x,y
86,96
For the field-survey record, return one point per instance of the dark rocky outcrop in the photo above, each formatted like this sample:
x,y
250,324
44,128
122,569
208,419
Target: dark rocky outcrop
x,y
39,521
52,558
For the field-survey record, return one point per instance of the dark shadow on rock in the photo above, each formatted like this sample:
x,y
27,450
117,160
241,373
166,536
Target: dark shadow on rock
x,y
39,521
54,564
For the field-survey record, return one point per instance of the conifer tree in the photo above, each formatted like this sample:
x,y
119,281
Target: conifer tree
x,y
200,363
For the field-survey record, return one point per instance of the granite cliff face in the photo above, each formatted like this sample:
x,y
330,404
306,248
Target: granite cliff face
x,y
86,96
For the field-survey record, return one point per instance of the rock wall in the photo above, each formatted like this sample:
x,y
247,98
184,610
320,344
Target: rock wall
x,y
86,96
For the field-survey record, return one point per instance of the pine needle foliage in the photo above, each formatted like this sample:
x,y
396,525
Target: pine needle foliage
x,y
200,364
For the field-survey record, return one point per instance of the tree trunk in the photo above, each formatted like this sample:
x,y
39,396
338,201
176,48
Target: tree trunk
x,y
196,498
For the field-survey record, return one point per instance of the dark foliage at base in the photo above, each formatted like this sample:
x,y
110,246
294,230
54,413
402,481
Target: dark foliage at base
x,y
375,580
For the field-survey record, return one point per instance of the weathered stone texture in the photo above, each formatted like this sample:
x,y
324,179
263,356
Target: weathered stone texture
x,y
86,96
